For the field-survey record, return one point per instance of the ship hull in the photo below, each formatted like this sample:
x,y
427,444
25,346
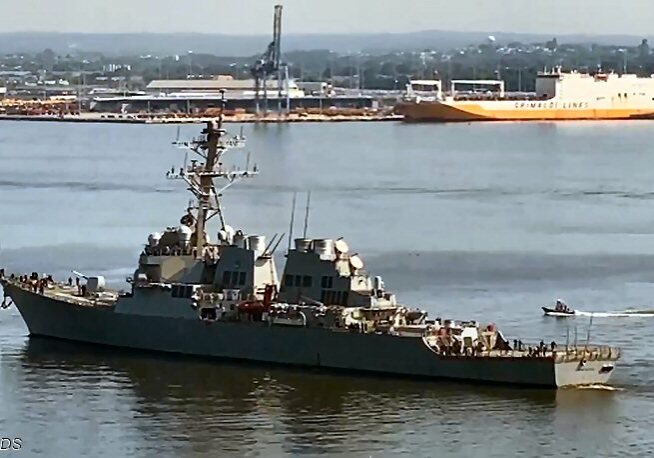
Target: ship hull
x,y
553,312
516,111
307,347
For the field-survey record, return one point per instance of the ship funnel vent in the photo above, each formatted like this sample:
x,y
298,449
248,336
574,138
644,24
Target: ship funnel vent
x,y
240,240
95,284
324,248
302,245
257,243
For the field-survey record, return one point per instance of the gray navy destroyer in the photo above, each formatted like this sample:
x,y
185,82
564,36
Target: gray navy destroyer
x,y
224,299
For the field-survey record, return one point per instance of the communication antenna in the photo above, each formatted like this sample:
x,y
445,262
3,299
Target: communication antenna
x,y
290,232
79,274
272,240
210,147
221,115
306,215
277,244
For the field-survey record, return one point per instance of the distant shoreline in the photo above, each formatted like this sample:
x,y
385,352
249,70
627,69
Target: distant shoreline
x,y
135,119
132,43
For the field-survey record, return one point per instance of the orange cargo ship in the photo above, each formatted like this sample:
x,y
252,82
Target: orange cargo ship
x,y
559,96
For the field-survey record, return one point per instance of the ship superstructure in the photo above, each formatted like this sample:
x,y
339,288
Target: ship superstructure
x,y
224,299
559,96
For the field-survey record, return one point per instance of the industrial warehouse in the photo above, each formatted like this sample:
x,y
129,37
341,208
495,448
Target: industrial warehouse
x,y
194,96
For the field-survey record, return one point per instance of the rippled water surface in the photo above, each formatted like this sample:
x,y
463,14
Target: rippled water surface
x,y
485,221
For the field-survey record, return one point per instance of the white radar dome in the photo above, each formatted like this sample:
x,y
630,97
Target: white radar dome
x,y
356,262
184,233
153,239
341,246
226,234
240,240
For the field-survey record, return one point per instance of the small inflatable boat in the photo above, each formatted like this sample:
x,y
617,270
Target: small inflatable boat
x,y
560,313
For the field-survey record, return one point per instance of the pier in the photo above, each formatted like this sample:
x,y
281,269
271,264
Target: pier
x,y
272,118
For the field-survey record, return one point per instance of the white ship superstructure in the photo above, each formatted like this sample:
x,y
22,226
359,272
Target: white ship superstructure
x,y
559,96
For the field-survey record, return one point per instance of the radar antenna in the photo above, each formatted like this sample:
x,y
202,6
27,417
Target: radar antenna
x,y
200,175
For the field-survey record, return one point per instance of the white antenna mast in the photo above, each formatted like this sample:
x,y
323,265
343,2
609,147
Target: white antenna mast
x,y
210,148
306,215
290,232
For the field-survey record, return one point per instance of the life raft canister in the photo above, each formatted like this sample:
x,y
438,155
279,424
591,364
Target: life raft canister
x,y
251,306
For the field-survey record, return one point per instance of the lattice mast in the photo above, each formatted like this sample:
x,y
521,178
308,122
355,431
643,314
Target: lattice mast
x,y
201,173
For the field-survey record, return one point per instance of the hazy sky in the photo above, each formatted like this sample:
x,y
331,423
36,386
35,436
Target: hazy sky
x,y
329,16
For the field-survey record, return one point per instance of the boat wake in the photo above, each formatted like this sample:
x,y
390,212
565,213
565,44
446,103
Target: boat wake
x,y
599,387
618,314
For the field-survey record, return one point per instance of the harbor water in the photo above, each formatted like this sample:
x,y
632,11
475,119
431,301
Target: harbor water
x,y
486,221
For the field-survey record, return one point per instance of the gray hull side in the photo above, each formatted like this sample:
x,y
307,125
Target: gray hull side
x,y
286,345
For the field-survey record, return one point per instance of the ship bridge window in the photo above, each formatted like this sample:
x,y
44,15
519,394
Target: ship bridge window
x,y
231,278
328,297
182,291
327,282
298,281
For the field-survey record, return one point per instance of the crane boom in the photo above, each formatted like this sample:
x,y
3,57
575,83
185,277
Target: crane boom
x,y
269,63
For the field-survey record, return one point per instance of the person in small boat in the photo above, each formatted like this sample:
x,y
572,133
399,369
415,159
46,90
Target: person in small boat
x,y
561,307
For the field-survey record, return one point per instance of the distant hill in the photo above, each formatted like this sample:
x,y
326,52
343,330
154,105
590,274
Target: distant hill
x,y
242,45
